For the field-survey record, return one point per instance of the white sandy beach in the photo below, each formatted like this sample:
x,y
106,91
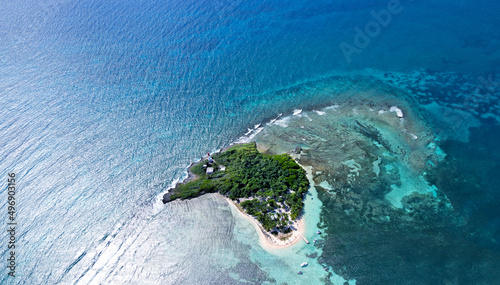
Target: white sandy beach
x,y
267,240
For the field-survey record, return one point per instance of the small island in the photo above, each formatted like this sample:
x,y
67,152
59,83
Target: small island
x,y
270,188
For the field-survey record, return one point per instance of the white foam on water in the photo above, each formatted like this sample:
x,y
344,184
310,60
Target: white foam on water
x,y
321,113
332,107
249,135
174,182
398,111
158,201
297,111
326,185
282,122
412,135
277,117
158,205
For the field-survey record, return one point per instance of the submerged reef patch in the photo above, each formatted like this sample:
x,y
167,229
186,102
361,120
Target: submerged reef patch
x,y
371,141
393,196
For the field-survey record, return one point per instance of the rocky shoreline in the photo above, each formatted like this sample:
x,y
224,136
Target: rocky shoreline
x,y
191,175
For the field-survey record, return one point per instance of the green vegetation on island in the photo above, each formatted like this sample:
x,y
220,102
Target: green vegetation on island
x,y
270,187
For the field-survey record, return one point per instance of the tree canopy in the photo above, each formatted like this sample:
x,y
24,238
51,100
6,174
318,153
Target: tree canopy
x,y
273,186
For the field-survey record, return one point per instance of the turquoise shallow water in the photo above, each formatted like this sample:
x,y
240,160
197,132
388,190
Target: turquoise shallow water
x,y
105,105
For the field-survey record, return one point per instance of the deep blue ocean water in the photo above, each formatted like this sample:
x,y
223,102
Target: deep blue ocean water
x,y
104,104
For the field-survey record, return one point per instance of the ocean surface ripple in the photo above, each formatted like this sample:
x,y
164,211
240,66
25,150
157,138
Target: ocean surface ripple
x,y
105,104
